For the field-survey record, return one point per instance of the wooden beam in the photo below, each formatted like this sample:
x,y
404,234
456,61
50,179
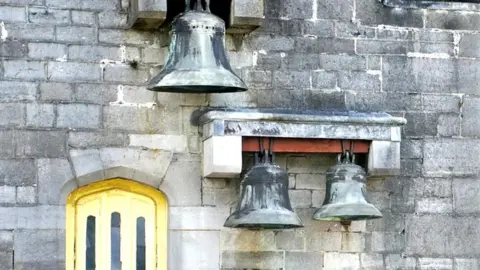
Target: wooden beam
x,y
298,145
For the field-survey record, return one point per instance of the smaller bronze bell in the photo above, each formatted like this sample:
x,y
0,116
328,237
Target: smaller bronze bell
x,y
346,195
264,202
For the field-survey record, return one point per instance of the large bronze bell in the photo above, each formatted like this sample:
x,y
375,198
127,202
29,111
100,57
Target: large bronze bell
x,y
197,61
264,202
346,195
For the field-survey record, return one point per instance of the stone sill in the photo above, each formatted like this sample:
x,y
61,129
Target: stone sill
x,y
440,5
223,131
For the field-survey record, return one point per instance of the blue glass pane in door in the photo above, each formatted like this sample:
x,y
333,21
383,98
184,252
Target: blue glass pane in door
x,y
141,243
90,241
115,242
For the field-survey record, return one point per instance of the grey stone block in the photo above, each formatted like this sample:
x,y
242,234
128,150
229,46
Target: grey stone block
x,y
394,34
96,139
303,260
17,91
35,32
190,250
468,72
17,172
372,261
386,242
247,240
390,222
79,116
435,264
26,195
6,241
84,4
139,95
301,61
7,148
334,10
125,74
141,119
255,260
219,197
397,261
419,124
434,36
465,195
12,14
73,72
24,70
454,20
353,242
324,45
323,241
48,16
76,34
310,181
298,10
7,195
309,164
434,205
470,120
27,243
449,125
466,264
324,79
40,217
96,93
443,49
183,179
370,12
291,80
269,43
411,148
80,17
290,240
46,50
442,103
56,91
197,218
260,79
300,198
325,100
469,45
52,175
129,37
13,49
441,235
40,115
351,30
360,81
455,157
12,114
113,19
336,260
98,53
437,187
383,47
6,260
40,144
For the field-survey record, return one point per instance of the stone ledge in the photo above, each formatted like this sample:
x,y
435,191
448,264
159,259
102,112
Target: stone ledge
x,y
223,129
440,5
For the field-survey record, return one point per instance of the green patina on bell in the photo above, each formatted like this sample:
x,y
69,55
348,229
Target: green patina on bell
x,y
346,195
197,61
264,202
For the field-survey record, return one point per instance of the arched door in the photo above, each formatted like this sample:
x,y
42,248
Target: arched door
x,y
116,225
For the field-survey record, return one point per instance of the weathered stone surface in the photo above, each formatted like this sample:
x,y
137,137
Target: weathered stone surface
x,y
17,91
40,115
435,263
190,250
27,253
252,259
52,175
96,139
198,218
91,116
26,195
40,144
303,260
466,264
290,240
7,195
397,261
335,260
17,172
372,261
182,182
441,235
56,91
248,240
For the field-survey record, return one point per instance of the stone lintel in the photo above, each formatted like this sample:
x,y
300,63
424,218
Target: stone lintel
x,y
222,128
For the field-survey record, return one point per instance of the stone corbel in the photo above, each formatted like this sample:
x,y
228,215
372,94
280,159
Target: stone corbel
x,y
245,15
225,131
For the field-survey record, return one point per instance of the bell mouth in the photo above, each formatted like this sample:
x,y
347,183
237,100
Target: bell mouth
x,y
264,219
347,212
199,89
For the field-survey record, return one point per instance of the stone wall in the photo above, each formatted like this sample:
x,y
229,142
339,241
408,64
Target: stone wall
x,y
72,105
